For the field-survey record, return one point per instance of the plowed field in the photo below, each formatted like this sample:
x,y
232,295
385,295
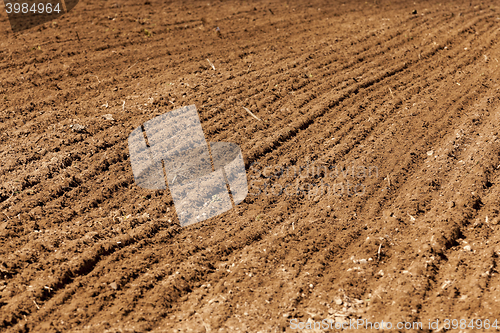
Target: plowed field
x,y
373,165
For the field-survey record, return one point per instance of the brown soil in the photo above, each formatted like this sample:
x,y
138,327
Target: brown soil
x,y
410,100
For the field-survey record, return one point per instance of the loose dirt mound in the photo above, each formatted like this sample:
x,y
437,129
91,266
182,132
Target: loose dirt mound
x,y
373,172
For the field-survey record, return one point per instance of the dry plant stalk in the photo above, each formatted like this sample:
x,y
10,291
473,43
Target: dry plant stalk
x,y
213,67
250,113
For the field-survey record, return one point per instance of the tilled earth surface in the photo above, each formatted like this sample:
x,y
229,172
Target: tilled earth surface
x,y
373,166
